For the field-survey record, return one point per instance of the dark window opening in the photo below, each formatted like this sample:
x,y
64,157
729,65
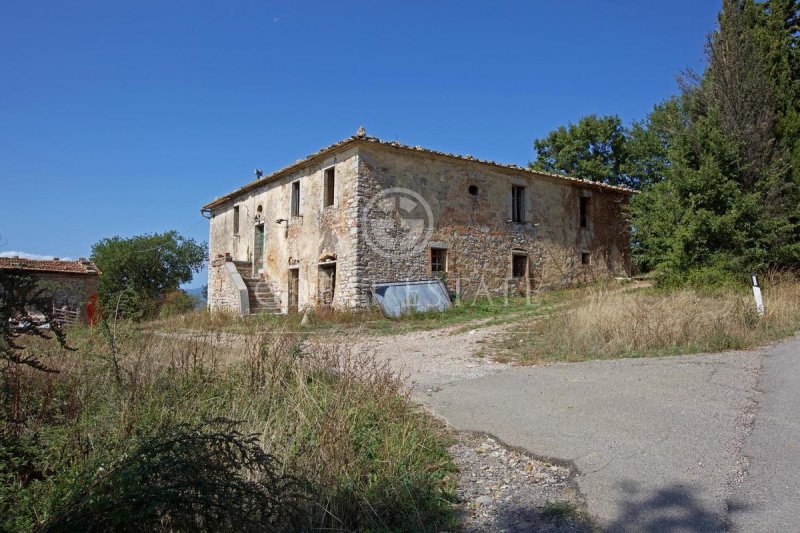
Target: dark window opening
x,y
438,260
473,190
330,182
517,204
296,199
519,266
236,220
586,258
584,209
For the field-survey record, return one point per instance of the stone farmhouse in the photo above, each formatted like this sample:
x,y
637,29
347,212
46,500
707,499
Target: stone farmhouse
x,y
70,285
321,232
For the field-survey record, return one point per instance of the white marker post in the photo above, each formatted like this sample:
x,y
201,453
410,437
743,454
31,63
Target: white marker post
x,y
757,295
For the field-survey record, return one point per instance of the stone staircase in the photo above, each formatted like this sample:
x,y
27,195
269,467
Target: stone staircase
x,y
262,299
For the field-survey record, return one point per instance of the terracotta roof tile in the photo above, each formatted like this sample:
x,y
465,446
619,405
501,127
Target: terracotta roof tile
x,y
394,144
39,265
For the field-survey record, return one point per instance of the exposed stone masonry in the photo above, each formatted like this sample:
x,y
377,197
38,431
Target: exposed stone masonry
x,y
464,202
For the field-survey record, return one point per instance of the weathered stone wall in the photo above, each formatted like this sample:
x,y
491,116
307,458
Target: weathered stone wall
x,y
477,230
224,291
75,291
474,227
319,234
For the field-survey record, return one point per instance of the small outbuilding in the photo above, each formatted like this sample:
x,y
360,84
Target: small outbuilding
x,y
71,285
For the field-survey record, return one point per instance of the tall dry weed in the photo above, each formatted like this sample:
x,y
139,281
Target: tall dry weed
x,y
635,323
330,414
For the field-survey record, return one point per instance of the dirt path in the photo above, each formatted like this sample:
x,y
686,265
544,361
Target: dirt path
x,y
430,360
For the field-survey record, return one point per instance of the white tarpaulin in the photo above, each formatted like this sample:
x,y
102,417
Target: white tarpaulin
x,y
399,297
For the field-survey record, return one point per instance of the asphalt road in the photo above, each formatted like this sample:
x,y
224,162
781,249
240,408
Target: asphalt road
x,y
768,499
657,442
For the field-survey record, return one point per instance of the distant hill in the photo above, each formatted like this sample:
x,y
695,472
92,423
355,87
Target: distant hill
x,y
200,294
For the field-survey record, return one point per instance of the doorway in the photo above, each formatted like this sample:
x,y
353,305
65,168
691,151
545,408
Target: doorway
x,y
258,249
294,285
327,284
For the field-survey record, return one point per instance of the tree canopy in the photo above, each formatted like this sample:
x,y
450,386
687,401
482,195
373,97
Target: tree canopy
x,y
718,165
594,149
137,272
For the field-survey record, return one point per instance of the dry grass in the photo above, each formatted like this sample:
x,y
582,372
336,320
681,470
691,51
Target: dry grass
x,y
649,322
354,322
334,417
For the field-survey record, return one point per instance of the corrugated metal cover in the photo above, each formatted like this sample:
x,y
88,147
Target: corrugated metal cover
x,y
399,297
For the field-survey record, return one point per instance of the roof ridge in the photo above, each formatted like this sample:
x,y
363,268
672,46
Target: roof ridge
x,y
72,266
361,136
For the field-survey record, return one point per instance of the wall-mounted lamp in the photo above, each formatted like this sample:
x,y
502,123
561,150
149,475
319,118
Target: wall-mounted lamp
x,y
281,221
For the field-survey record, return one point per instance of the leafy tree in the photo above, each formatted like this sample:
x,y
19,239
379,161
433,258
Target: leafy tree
x,y
139,271
718,165
647,144
729,198
594,149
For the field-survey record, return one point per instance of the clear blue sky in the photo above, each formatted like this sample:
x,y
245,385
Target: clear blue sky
x,y
125,117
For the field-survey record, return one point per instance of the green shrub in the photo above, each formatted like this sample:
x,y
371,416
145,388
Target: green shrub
x,y
207,477
177,303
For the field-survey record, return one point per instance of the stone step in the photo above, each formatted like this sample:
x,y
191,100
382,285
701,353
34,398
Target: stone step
x,y
273,310
265,312
260,294
263,301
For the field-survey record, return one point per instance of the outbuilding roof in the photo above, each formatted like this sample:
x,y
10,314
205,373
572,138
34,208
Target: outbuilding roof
x,y
81,266
361,137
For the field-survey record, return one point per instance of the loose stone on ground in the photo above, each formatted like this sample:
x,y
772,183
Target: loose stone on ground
x,y
501,489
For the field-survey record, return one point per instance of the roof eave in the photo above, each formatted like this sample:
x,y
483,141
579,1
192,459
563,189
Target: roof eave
x,y
324,152
321,154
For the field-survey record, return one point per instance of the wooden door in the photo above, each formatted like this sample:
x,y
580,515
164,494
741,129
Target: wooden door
x,y
327,284
294,285
258,249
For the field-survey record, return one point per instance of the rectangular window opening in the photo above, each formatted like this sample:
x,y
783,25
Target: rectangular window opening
x,y
438,260
519,266
236,220
517,204
586,258
584,211
330,183
296,199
